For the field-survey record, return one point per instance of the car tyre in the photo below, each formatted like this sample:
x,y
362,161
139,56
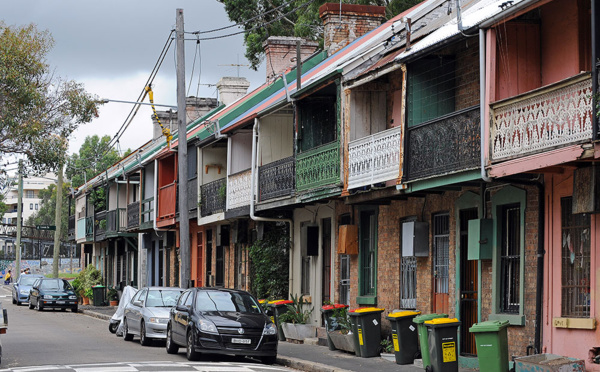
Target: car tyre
x,y
38,306
126,335
19,303
14,301
30,304
268,359
190,350
144,341
112,327
74,309
171,347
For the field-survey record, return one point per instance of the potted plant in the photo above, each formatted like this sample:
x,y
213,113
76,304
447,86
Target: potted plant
x,y
293,322
88,278
342,339
113,296
88,296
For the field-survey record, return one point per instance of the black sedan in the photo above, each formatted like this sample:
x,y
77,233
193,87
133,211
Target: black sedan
x,y
221,321
52,293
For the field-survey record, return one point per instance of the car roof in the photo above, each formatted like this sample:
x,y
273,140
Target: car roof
x,y
32,275
218,289
161,288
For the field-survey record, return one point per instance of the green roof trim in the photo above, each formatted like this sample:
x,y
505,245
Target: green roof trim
x,y
316,83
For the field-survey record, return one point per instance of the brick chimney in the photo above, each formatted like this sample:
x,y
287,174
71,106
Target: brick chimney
x,y
232,88
280,53
168,119
195,107
344,24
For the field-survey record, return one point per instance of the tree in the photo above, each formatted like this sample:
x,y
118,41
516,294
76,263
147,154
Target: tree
x,y
38,110
264,18
46,214
94,157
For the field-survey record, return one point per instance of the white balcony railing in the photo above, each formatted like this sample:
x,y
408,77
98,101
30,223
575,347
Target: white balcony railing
x,y
238,190
547,118
375,158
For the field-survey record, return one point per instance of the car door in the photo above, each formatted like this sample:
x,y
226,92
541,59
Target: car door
x,y
136,311
128,311
34,292
179,318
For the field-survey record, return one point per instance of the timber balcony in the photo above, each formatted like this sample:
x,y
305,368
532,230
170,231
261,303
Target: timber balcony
x,y
318,167
88,225
116,221
238,189
147,214
375,158
133,215
544,119
167,201
213,197
443,146
100,226
71,229
277,179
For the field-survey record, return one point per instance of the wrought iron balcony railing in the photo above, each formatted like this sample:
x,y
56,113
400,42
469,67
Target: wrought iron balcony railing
x,y
100,226
212,197
544,119
133,215
318,167
277,179
445,145
238,189
375,158
167,201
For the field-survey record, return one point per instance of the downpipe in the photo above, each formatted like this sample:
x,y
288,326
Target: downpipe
x,y
482,104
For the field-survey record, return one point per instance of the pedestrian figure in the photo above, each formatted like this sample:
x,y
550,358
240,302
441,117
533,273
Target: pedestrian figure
x,y
8,278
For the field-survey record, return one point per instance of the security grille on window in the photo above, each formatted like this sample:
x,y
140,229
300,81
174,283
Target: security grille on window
x,y
575,261
30,194
510,258
408,287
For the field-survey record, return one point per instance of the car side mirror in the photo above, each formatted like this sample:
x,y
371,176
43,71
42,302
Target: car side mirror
x,y
137,303
36,288
182,308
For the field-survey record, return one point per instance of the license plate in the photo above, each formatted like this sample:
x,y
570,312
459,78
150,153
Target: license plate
x,y
60,302
241,341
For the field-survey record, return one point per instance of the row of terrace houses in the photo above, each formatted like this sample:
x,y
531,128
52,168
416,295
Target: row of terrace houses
x,y
444,160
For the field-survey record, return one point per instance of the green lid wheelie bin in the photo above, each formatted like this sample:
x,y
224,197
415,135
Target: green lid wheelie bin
x,y
422,331
98,292
278,308
492,344
404,336
331,321
442,335
366,322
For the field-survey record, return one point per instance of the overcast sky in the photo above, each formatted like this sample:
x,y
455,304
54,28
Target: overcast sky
x,y
111,47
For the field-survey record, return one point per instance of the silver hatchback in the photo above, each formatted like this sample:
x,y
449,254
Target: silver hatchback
x,y
147,314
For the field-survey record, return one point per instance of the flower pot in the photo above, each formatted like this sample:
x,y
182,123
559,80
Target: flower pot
x,y
298,332
114,303
342,341
85,300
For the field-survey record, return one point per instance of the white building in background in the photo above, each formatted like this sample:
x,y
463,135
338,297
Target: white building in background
x,y
31,199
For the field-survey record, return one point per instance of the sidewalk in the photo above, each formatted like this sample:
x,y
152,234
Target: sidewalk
x,y
307,357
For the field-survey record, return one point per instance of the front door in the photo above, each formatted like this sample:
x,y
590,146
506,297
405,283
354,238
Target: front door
x,y
199,282
326,270
468,286
441,262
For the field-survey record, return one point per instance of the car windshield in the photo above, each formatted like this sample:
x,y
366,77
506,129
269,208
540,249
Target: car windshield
x,y
55,285
27,280
162,297
207,301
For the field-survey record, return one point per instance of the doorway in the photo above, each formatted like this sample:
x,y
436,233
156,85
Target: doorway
x,y
468,285
441,262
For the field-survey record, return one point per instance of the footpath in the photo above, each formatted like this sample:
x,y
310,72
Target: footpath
x,y
312,358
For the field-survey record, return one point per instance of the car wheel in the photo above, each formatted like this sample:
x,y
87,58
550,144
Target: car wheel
x,y
172,348
145,341
112,327
19,303
38,306
74,309
30,304
14,301
126,335
190,351
268,359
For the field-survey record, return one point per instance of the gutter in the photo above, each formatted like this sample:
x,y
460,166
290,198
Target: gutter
x,y
504,15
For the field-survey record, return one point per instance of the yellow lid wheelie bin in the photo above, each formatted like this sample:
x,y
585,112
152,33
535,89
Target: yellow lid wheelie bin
x,y
278,308
419,320
442,335
404,336
366,325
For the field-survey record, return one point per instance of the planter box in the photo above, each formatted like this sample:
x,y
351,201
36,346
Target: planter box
x,y
342,341
298,332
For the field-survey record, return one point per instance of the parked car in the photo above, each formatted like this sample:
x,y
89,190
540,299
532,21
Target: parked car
x,y
20,289
221,321
147,314
52,293
3,325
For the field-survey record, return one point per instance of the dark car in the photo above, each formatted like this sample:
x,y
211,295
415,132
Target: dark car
x,y
52,293
20,290
221,321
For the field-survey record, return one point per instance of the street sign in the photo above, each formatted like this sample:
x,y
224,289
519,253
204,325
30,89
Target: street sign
x,y
45,227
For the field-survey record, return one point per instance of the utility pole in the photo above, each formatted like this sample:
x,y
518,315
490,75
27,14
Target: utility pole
x,y
57,221
184,220
19,223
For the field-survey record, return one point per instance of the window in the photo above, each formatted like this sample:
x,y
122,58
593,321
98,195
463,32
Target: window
x,y
29,194
31,206
510,258
36,206
318,119
305,283
575,262
368,253
408,287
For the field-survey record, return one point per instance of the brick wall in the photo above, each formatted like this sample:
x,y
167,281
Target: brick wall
x,y
280,53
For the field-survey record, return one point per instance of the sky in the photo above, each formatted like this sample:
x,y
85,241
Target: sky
x,y
112,46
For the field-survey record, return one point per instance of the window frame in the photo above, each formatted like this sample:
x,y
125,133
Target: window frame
x,y
367,298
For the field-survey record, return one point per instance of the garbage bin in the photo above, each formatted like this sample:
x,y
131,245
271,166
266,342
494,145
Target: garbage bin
x,y
492,344
404,335
366,325
278,307
328,312
99,294
422,331
443,350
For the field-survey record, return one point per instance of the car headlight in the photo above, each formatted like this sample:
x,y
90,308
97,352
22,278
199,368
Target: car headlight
x,y
72,297
158,320
207,326
24,292
269,329
47,297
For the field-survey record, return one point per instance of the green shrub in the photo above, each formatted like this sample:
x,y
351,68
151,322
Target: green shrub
x,y
297,311
269,263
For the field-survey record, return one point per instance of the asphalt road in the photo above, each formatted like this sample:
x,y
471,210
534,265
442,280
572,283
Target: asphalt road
x,y
54,337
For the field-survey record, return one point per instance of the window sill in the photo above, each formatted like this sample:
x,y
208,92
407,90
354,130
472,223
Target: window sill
x,y
574,323
366,300
515,320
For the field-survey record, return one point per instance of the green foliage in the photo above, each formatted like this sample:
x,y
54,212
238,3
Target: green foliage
x,y
387,346
3,206
113,295
76,284
297,311
46,215
98,199
93,158
298,18
269,263
343,319
88,278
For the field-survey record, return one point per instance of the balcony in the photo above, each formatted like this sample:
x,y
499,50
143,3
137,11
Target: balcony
x,y
80,229
167,201
89,228
318,167
71,228
238,189
544,119
446,145
212,197
277,179
133,215
375,158
147,214
116,221
100,225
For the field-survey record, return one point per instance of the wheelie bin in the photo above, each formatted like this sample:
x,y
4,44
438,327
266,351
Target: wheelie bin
x,y
99,295
404,335
278,308
366,325
492,344
442,334
422,331
331,322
